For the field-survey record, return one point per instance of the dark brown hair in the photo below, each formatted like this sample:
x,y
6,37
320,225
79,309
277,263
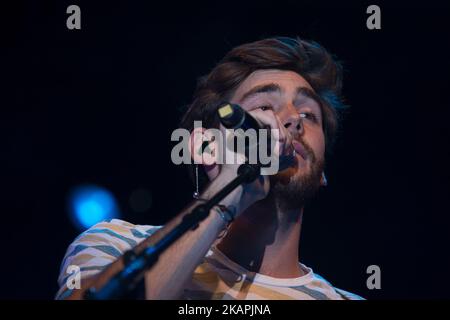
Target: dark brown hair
x,y
309,59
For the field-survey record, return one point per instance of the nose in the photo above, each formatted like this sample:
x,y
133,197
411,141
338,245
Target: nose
x,y
293,122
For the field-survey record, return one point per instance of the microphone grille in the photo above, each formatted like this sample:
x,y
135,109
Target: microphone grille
x,y
231,115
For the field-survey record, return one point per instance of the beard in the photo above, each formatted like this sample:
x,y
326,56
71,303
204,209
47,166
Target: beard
x,y
294,187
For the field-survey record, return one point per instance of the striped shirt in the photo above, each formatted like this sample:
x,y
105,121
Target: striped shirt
x,y
216,277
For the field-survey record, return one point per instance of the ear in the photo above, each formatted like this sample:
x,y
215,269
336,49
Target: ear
x,y
323,180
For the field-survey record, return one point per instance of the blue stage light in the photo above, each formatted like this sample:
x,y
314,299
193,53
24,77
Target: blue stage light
x,y
91,204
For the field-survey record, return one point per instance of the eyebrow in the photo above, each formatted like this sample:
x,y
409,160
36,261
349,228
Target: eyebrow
x,y
273,87
264,88
307,92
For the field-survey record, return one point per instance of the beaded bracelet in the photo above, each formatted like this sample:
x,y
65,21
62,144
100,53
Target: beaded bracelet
x,y
226,213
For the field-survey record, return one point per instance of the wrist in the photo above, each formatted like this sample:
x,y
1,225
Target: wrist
x,y
232,200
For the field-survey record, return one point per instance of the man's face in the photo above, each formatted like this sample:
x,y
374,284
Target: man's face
x,y
288,97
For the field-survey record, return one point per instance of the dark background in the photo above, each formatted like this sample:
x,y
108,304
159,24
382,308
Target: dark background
x,y
98,105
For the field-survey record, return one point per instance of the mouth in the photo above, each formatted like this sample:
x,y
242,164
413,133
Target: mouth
x,y
299,149
289,159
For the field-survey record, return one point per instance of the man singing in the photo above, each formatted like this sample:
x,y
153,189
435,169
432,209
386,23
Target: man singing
x,y
248,248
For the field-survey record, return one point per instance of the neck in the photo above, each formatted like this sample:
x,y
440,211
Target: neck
x,y
265,239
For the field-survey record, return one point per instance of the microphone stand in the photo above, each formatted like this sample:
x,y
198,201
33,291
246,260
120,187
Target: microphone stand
x,y
136,264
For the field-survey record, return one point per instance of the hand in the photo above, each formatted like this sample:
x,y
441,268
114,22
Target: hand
x,y
259,189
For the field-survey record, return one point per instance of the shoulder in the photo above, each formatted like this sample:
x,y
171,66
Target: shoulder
x,y
119,232
110,238
98,246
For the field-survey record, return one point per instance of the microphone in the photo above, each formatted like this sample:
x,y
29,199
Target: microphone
x,y
233,116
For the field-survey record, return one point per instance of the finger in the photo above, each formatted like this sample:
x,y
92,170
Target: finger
x,y
266,118
269,118
228,147
287,146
